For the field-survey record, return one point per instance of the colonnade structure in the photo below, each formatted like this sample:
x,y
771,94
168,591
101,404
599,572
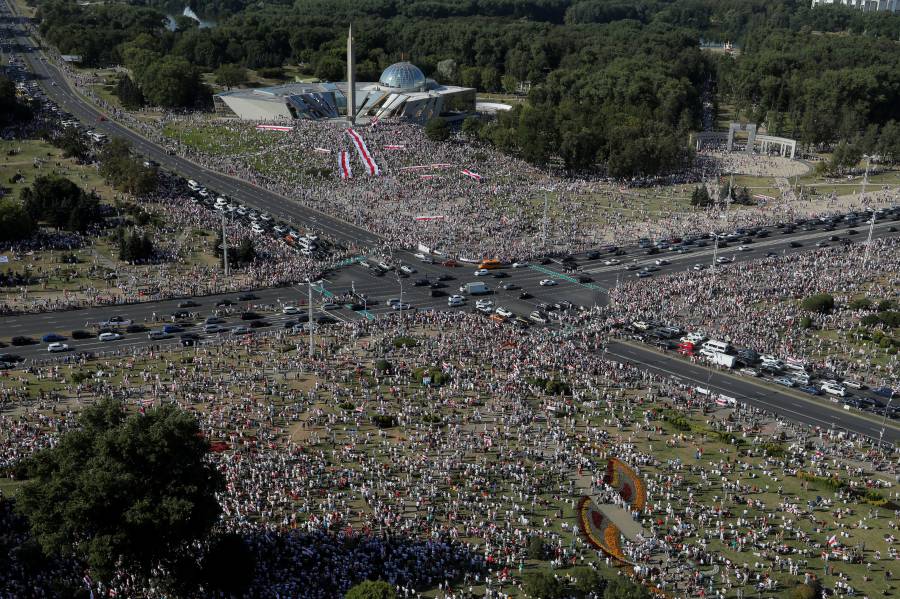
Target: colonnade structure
x,y
763,144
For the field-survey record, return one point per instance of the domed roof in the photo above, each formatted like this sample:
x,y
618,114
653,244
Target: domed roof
x,y
403,76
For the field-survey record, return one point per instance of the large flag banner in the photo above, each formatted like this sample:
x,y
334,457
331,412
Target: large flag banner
x,y
364,154
274,128
430,217
470,174
420,167
394,147
322,150
344,165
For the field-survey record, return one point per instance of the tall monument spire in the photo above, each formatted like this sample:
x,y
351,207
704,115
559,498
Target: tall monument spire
x,y
351,78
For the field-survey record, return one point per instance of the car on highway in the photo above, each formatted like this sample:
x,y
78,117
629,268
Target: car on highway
x,y
242,330
405,269
484,305
699,266
612,262
509,286
744,248
519,264
109,336
523,295
886,392
785,381
538,317
796,244
499,274
52,337
188,304
57,347
247,297
723,260
456,300
749,372
225,302
662,262
401,306
214,320
250,316
290,310
481,272
189,339
158,335
811,389
547,283
116,321
832,388
504,312
446,277
854,384
214,328
421,282
644,274
171,328
632,266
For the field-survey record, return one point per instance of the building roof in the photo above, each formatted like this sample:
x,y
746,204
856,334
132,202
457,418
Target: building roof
x,y
402,76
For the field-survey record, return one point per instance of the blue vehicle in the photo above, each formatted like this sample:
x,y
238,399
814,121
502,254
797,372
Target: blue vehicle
x,y
52,338
884,392
171,328
811,390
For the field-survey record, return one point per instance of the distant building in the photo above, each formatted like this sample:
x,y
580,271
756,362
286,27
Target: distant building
x,y
865,5
402,91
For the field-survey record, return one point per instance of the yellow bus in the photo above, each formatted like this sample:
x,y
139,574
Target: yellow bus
x,y
490,264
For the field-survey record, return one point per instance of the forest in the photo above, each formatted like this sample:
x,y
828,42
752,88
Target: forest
x,y
612,83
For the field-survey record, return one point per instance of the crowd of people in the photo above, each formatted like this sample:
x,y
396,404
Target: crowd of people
x,y
474,468
758,305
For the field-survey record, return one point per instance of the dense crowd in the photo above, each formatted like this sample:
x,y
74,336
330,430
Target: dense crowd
x,y
757,304
473,469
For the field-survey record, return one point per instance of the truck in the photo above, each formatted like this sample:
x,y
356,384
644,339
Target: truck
x,y
475,288
726,360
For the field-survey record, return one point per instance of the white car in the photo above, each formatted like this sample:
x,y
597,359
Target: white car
x,y
612,262
699,266
519,264
290,310
419,256
482,272
455,300
662,262
109,337
749,371
484,305
57,347
257,229
723,260
504,312
407,269
854,384
834,389
743,248
547,283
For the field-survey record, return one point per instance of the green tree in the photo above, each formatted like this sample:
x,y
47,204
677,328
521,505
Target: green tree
x,y
541,585
437,129
135,248
131,488
15,222
587,580
129,93
471,126
11,109
172,82
245,253
73,145
372,589
231,75
822,303
623,588
60,203
845,156
700,197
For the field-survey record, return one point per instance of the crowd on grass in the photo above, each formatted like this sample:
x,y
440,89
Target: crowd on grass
x,y
452,492
758,305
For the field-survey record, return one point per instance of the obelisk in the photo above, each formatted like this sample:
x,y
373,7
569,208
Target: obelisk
x,y
351,78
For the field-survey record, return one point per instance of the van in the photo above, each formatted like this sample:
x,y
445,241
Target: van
x,y
193,185
719,347
832,388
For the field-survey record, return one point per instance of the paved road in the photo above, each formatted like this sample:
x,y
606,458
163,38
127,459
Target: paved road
x,y
57,88
814,411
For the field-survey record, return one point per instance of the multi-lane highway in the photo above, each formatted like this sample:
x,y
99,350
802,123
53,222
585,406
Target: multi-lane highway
x,y
587,286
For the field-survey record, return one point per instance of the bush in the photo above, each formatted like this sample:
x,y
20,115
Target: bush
x,y
437,129
806,322
885,305
860,303
384,420
81,376
435,375
433,419
775,450
822,303
382,366
404,342
804,591
587,580
536,548
372,589
890,318
347,406
542,585
870,320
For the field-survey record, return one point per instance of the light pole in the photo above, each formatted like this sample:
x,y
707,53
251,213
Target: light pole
x,y
547,192
310,319
883,421
224,245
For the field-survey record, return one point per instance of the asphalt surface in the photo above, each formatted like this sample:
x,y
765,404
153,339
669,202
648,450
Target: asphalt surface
x,y
815,411
269,302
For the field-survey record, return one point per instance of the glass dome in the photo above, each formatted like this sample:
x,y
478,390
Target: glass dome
x,y
403,76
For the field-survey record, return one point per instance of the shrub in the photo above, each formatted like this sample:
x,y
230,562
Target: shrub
x,y
437,129
382,366
887,304
806,322
372,589
804,591
885,342
404,342
436,376
542,585
81,376
347,406
384,420
860,303
433,419
870,320
890,318
775,450
822,303
535,548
